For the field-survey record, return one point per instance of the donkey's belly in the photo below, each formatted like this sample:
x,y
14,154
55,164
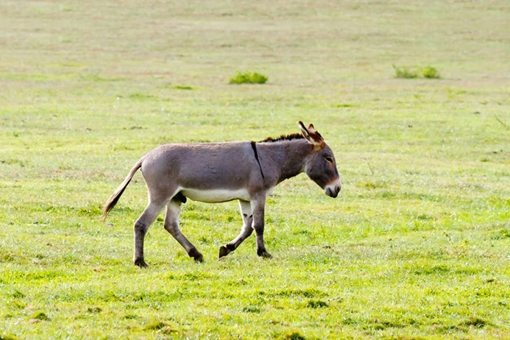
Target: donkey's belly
x,y
216,195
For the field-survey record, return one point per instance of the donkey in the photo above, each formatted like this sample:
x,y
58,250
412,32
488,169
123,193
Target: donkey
x,y
219,172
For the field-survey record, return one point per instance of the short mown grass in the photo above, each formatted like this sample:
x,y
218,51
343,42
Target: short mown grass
x,y
415,247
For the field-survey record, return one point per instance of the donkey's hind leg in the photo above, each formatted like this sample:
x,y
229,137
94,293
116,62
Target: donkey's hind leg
x,y
245,232
141,227
172,226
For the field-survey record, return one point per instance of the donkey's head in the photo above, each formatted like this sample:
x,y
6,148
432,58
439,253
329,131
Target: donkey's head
x,y
320,165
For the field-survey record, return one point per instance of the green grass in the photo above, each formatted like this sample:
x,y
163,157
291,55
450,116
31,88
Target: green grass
x,y
248,78
430,73
415,247
405,73
427,72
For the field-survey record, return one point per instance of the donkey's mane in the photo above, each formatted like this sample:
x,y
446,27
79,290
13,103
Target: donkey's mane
x,y
282,138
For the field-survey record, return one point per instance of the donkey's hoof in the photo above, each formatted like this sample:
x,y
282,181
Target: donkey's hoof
x,y
195,254
224,251
265,255
140,263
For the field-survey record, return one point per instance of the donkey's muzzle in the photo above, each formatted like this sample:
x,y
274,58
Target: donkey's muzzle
x,y
332,190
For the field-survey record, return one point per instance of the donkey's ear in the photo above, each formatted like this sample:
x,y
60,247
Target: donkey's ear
x,y
304,131
311,135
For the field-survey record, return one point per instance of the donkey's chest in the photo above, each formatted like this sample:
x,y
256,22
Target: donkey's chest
x,y
216,195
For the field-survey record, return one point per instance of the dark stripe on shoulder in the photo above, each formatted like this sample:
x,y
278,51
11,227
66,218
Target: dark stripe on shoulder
x,y
254,147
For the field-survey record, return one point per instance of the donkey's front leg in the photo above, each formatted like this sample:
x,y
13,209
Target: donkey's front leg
x,y
247,216
257,207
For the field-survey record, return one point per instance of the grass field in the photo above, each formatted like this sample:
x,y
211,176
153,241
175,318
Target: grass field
x,y
417,246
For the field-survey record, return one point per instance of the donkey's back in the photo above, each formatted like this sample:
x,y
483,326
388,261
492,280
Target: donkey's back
x,y
190,168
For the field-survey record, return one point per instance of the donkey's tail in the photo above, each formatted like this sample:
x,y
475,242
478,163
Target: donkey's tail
x,y
114,198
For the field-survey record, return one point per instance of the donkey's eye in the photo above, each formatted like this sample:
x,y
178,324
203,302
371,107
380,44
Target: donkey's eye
x,y
329,159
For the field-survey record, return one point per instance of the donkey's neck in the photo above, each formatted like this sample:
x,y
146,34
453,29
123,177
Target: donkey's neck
x,y
288,156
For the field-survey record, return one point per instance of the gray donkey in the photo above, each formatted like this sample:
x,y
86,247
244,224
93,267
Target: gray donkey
x,y
220,172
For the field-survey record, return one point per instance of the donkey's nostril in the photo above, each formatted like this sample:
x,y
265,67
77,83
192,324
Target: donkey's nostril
x,y
332,191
